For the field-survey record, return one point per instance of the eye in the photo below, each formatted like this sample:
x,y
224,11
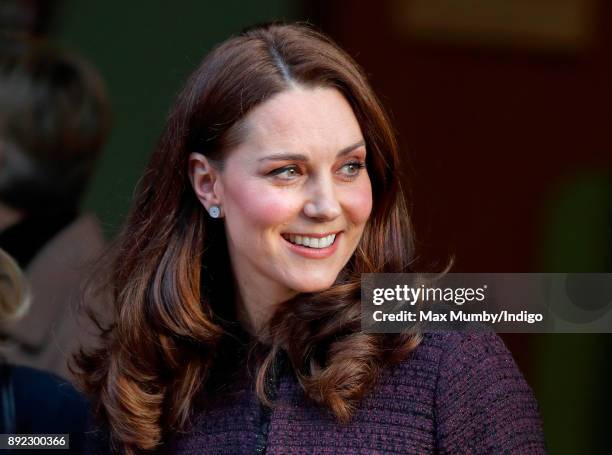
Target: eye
x,y
286,172
352,168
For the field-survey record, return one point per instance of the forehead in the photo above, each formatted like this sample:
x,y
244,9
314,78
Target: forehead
x,y
309,120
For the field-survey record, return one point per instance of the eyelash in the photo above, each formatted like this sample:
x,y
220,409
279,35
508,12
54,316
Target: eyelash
x,y
358,164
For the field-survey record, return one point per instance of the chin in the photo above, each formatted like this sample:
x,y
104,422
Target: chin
x,y
313,284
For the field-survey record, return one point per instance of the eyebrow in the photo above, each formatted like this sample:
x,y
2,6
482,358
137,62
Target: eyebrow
x,y
300,157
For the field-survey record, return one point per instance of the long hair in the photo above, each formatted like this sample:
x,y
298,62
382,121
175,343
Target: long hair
x,y
170,275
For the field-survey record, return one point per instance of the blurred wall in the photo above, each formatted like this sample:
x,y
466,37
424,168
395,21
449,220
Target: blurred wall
x,y
490,133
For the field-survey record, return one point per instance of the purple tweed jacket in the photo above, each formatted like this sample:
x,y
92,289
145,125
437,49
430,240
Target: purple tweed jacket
x,y
456,393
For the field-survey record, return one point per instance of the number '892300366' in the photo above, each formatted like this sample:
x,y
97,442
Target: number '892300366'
x,y
56,441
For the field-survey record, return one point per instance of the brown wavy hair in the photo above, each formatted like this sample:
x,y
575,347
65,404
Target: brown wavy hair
x,y
170,274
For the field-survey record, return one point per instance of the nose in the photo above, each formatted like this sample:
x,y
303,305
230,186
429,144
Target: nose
x,y
322,202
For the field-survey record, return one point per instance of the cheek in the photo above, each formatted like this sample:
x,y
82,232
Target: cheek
x,y
358,203
260,205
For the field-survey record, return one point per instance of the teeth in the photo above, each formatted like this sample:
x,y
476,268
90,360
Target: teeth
x,y
311,242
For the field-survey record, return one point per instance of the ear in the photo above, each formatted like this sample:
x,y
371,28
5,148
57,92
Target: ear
x,y
205,180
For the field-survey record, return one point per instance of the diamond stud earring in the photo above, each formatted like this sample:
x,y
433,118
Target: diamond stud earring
x,y
214,211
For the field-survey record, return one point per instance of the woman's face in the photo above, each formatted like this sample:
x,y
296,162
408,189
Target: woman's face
x,y
295,194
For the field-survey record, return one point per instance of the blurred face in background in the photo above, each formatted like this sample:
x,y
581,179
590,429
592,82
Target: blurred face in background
x,y
295,194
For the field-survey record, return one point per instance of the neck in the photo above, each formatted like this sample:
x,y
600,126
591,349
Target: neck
x,y
9,216
256,303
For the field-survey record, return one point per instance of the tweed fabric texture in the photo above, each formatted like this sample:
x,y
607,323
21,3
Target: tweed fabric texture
x,y
455,393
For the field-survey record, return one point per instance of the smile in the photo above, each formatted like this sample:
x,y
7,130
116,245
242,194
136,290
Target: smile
x,y
310,242
312,246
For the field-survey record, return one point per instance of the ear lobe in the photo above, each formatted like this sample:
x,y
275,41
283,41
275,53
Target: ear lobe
x,y
204,180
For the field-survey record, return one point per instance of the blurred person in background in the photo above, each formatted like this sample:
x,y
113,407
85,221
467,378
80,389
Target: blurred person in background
x,y
54,121
33,401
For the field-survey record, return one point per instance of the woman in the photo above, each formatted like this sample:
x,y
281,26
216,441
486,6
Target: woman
x,y
237,279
